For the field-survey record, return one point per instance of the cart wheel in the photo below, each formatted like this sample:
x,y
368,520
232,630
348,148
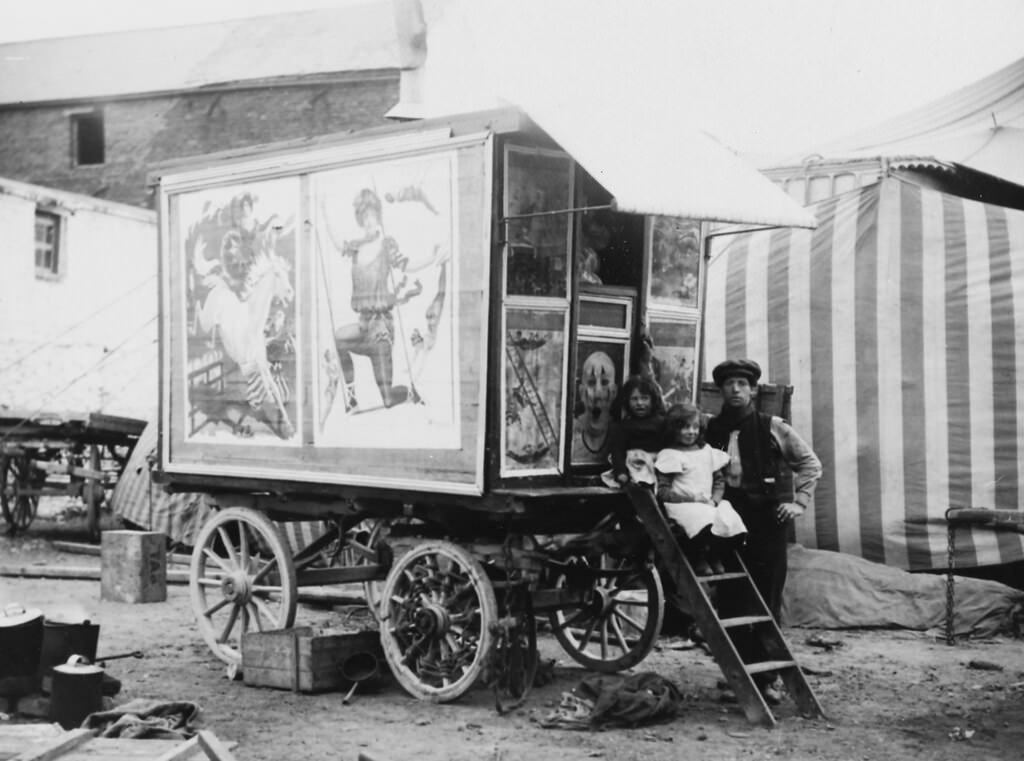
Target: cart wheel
x,y
19,509
241,579
437,610
618,617
93,494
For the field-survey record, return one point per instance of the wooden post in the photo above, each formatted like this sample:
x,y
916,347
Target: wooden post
x,y
133,566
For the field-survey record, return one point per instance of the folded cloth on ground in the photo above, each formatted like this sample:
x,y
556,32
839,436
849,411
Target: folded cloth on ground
x,y
144,718
613,701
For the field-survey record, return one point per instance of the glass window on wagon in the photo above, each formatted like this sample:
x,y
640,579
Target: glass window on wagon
x,y
538,189
674,292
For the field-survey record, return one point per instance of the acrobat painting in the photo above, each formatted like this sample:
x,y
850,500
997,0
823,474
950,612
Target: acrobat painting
x,y
240,310
384,237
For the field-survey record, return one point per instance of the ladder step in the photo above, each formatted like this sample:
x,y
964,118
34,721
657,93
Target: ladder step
x,y
763,666
722,576
744,620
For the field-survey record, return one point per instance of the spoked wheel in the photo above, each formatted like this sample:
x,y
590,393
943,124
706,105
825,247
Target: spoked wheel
x,y
93,494
437,611
19,508
241,579
619,614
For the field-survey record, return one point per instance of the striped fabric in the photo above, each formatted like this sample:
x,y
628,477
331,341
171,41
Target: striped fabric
x,y
900,323
145,504
180,515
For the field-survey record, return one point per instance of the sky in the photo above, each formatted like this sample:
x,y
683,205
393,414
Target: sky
x,y
762,77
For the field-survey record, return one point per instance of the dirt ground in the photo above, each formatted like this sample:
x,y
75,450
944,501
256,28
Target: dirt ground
x,y
887,694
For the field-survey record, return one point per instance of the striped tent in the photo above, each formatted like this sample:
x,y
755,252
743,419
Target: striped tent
x,y
900,323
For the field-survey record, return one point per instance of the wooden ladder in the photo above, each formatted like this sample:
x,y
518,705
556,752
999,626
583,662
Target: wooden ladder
x,y
747,613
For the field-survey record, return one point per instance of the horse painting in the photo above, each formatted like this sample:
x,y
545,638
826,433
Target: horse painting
x,y
237,319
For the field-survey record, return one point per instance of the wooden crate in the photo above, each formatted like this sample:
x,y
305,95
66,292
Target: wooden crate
x,y
304,659
133,566
48,742
771,399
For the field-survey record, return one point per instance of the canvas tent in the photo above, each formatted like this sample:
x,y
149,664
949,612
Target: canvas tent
x,y
900,323
980,126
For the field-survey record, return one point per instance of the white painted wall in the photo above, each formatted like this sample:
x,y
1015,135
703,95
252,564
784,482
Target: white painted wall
x,y
85,342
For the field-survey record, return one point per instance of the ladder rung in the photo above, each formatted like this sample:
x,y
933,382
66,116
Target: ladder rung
x,y
763,666
744,620
723,576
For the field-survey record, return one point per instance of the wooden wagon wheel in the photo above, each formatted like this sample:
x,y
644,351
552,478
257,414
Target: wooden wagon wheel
x,y
242,578
618,617
19,509
437,610
93,494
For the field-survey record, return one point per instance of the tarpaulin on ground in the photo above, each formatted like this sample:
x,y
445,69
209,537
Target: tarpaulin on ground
x,y
899,322
833,590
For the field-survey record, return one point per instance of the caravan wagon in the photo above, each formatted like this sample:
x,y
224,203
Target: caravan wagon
x,y
414,335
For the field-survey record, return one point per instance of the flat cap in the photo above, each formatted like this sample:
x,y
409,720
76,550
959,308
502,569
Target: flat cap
x,y
733,368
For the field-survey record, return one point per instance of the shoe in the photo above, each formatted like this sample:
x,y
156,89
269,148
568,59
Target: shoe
x,y
771,695
716,565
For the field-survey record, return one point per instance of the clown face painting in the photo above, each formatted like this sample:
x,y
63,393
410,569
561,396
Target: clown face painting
x,y
598,377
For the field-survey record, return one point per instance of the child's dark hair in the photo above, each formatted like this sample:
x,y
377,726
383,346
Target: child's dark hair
x,y
645,384
682,414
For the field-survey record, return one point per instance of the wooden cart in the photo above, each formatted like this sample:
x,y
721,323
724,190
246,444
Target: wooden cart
x,y
403,333
65,454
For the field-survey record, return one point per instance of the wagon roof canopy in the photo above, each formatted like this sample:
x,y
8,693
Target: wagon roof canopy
x,y
653,162
650,164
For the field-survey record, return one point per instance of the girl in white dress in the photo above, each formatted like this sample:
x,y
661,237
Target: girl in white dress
x,y
691,483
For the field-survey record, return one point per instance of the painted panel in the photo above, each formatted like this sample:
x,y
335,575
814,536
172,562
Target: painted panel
x,y
386,341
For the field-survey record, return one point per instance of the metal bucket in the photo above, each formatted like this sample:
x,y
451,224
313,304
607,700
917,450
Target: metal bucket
x,y
62,640
21,639
76,692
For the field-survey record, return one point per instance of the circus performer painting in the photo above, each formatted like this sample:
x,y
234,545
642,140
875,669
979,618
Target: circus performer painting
x,y
240,307
385,339
378,285
595,391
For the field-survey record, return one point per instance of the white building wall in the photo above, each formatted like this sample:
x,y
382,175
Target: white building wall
x,y
85,341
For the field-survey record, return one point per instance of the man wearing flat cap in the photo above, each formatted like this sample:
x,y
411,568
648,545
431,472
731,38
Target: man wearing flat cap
x,y
760,446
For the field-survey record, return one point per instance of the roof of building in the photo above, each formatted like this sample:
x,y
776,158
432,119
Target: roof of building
x,y
351,38
48,197
980,126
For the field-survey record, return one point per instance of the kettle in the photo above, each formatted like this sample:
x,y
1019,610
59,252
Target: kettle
x,y
75,692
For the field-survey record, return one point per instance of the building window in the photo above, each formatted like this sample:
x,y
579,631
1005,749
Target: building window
x,y
87,138
48,245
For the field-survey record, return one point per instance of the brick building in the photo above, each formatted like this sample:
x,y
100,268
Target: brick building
x,y
84,119
91,114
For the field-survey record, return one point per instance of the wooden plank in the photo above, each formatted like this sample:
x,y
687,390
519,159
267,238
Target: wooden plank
x,y
81,548
15,738
215,750
313,594
150,749
181,752
57,747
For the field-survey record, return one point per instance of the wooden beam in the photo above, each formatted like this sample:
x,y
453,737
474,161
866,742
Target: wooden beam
x,y
58,746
